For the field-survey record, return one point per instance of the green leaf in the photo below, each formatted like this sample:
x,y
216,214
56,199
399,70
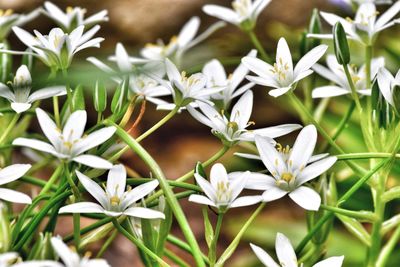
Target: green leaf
x,y
6,64
341,45
208,229
356,228
165,227
100,97
78,98
148,234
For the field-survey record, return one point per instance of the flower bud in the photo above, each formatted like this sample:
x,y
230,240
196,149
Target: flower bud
x,y
396,99
120,96
78,98
341,46
5,63
100,97
5,230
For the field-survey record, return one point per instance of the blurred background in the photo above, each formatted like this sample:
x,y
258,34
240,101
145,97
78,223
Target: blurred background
x,y
178,145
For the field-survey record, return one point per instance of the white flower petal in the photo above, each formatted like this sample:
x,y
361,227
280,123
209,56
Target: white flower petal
x,y
188,31
207,188
269,155
218,174
35,144
63,251
306,198
93,188
283,54
202,200
273,193
258,66
116,180
140,212
245,201
47,92
314,170
6,92
284,251
279,91
82,207
309,59
222,13
241,111
49,128
330,262
94,139
93,161
138,193
263,256
303,147
14,196
388,15
75,125
122,58
329,91
20,107
277,131
13,172
385,79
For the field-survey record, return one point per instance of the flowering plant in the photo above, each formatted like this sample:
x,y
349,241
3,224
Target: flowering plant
x,y
343,141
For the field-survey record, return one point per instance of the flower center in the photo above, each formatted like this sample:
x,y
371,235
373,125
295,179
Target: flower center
x,y
224,193
115,201
281,70
5,13
287,177
242,7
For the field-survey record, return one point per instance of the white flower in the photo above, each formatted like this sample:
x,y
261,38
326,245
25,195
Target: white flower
x,y
10,174
376,2
177,46
71,258
57,49
290,169
282,76
220,192
139,81
70,143
287,257
37,263
232,129
243,11
387,83
73,17
7,259
216,77
336,74
8,19
115,201
20,97
185,89
365,26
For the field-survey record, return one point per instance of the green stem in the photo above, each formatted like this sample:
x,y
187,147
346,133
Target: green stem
x,y
343,199
368,58
388,248
68,89
138,243
353,88
106,244
212,255
56,111
169,194
184,246
175,258
190,174
35,181
9,128
361,215
231,248
303,110
257,44
342,125
52,180
77,227
366,155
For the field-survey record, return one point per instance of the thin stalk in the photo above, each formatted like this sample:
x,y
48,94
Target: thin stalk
x,y
35,181
52,180
368,59
138,243
212,254
366,155
106,244
303,110
89,228
9,128
175,258
232,246
184,246
77,227
388,248
56,111
190,174
257,44
342,125
169,194
353,88
343,199
361,215
68,89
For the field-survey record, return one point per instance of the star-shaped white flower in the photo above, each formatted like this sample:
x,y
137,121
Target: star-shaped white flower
x,y
71,258
232,129
139,81
8,19
387,83
73,17
70,143
221,192
185,89
281,75
216,77
57,49
335,73
115,201
287,257
365,26
10,174
20,97
242,11
177,46
290,169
